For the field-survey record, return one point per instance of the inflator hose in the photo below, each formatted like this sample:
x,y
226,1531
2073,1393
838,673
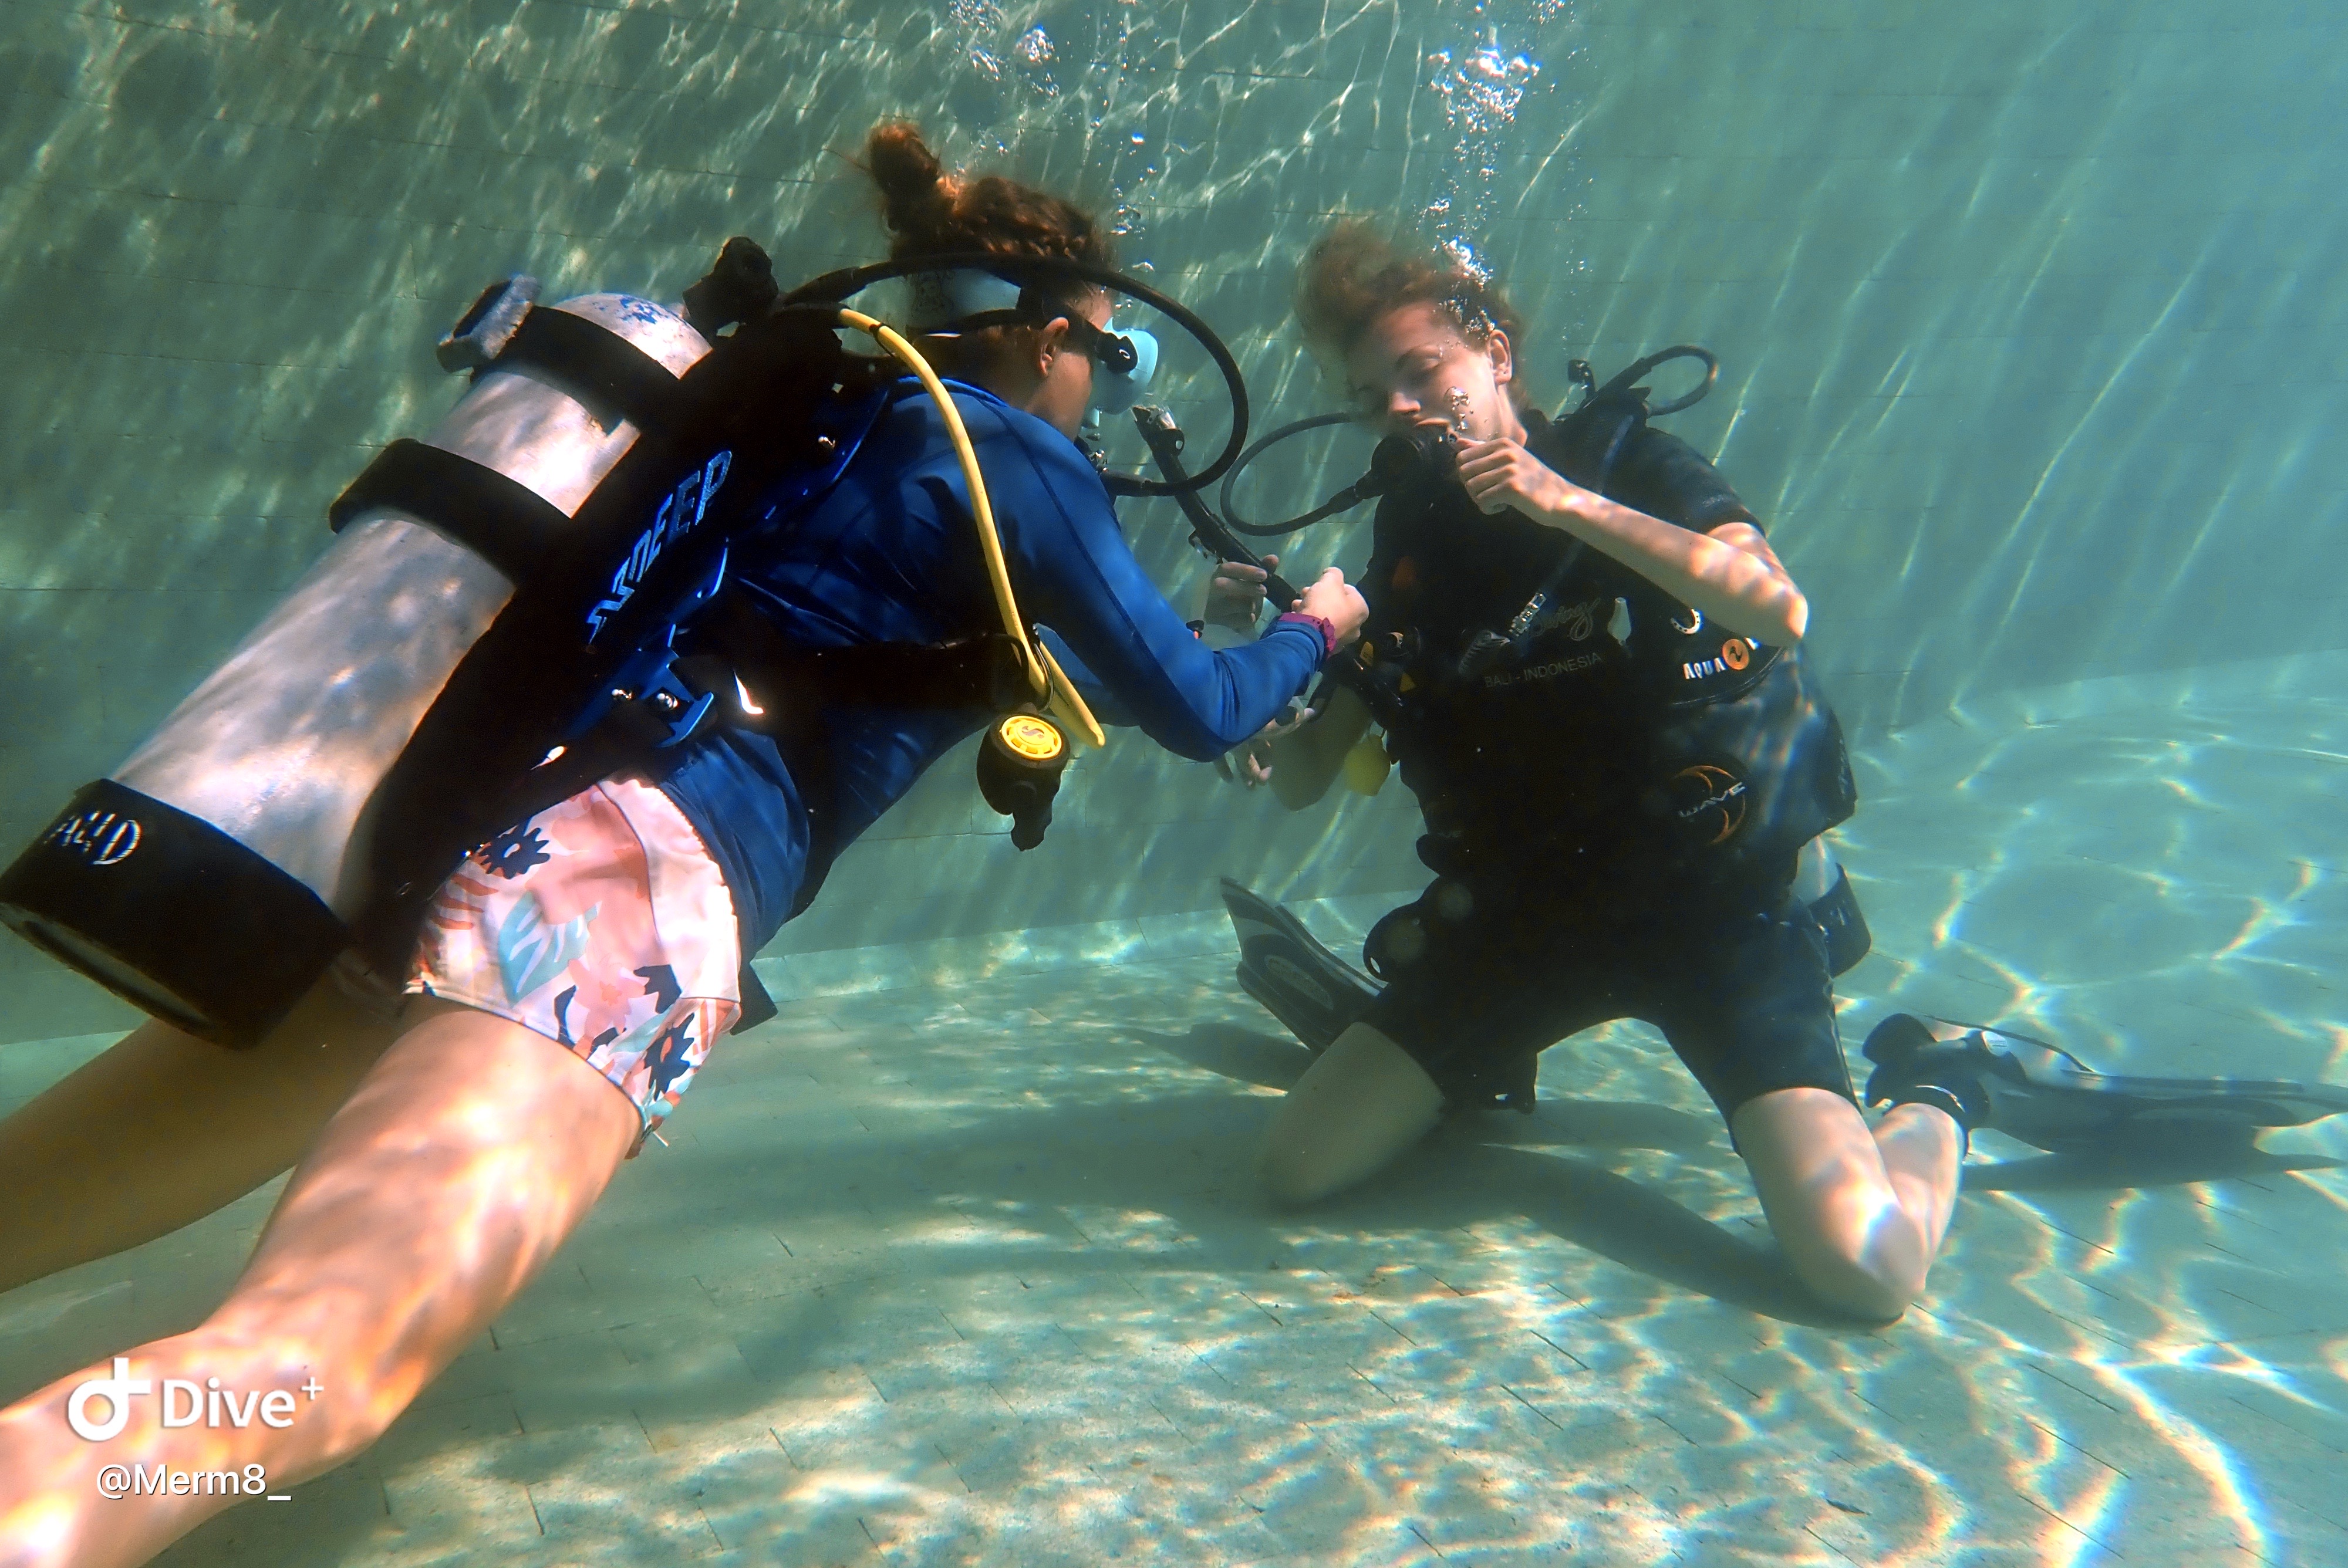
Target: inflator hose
x,y
1049,681
1351,495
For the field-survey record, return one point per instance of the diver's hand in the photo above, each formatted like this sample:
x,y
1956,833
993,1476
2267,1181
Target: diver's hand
x,y
1235,594
1250,763
1499,475
1336,602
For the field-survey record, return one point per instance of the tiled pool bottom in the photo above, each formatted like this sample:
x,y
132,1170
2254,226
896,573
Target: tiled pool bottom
x,y
973,1273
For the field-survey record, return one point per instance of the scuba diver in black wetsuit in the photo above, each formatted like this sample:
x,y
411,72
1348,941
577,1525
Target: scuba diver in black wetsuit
x,y
1586,659
1562,755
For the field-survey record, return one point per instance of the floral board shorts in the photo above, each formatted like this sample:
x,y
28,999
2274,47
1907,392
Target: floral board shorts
x,y
603,923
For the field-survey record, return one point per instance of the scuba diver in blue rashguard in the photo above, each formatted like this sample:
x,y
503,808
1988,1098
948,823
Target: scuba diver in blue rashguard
x,y
596,943
885,558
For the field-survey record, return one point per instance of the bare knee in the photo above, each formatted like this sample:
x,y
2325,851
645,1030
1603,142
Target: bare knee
x,y
1301,1159
1361,1103
1871,1287
1856,1236
1288,1173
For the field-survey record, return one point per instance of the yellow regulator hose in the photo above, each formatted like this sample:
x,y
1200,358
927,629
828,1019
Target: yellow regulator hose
x,y
1050,683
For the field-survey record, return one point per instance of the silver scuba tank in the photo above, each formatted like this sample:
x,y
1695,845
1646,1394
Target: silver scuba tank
x,y
208,880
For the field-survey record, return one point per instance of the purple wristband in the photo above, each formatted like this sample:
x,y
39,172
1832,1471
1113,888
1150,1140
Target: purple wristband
x,y
1323,624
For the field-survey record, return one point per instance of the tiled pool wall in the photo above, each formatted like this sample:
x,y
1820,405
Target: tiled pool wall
x,y
2028,323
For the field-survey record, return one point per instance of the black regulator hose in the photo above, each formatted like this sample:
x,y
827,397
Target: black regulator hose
x,y
1213,535
1390,464
1338,503
1637,368
1209,532
848,281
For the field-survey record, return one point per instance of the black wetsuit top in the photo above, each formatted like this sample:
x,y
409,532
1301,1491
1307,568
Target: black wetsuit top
x,y
1542,769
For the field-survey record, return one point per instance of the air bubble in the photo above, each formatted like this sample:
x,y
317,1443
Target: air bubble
x,y
1482,85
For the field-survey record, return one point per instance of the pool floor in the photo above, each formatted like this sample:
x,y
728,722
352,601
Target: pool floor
x,y
975,1273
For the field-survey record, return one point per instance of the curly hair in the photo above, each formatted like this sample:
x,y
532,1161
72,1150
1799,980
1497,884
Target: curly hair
x,y
931,211
1353,275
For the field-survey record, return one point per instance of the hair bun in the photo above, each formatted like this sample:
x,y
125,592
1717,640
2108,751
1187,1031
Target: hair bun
x,y
931,211
914,185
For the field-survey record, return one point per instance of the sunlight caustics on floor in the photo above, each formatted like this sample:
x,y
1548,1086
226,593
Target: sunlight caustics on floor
x,y
973,1271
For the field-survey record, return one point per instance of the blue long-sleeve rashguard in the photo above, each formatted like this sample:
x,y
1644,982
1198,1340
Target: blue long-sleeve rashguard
x,y
890,554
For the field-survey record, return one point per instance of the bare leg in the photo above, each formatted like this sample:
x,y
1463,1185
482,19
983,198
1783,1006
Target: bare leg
x,y
164,1127
1363,1102
1860,1213
458,1166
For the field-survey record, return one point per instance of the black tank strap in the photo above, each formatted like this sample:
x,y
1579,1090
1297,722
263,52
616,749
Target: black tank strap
x,y
505,522
984,672
612,370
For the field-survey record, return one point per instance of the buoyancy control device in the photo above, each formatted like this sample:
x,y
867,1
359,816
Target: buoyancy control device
x,y
1748,761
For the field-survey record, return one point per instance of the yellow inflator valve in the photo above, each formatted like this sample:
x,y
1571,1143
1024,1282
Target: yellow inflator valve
x,y
1367,764
1019,766
1034,740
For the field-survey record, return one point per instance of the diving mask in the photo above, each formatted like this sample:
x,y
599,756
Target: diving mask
x,y
967,300
1124,365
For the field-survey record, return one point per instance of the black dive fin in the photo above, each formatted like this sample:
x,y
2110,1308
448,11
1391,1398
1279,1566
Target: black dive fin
x,y
1303,985
2051,1099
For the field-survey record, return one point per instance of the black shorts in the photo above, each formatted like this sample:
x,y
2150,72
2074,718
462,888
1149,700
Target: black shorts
x,y
1744,995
